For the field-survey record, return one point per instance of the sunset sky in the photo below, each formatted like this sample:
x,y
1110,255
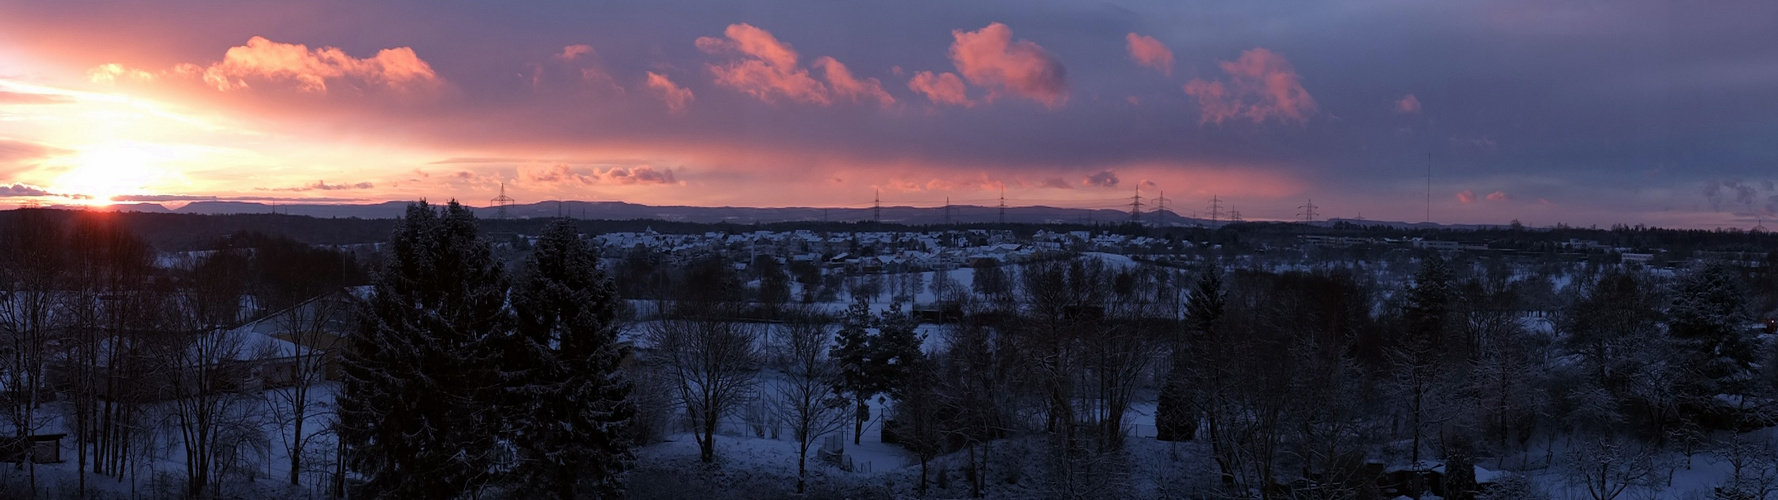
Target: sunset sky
x,y
1583,112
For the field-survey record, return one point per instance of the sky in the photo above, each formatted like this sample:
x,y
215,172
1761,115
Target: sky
x,y
1544,111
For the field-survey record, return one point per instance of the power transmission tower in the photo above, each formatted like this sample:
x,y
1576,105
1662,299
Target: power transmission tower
x,y
947,210
877,208
1160,206
1308,211
1003,204
1136,207
1215,210
501,202
1234,216
1429,188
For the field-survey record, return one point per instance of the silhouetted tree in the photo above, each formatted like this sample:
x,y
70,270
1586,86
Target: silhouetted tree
x,y
566,402
415,414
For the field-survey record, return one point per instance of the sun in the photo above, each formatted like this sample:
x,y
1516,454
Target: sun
x,y
103,173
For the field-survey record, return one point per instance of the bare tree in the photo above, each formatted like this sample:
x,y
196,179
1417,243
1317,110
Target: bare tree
x,y
32,270
713,360
210,371
311,330
1753,467
1607,467
807,400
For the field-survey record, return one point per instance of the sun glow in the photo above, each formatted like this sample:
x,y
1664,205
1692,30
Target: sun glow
x,y
103,173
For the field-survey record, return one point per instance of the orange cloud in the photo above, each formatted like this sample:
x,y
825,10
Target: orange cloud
x,y
622,176
571,52
1408,105
1151,53
676,97
1497,196
1261,86
942,88
310,70
1466,196
848,86
112,72
988,57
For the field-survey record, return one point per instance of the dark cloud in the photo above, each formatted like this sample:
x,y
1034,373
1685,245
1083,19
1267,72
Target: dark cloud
x,y
20,190
1104,178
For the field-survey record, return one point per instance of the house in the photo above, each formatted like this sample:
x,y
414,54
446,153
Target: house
x,y
41,448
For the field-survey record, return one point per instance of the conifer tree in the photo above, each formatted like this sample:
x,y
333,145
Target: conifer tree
x,y
416,414
1708,320
566,401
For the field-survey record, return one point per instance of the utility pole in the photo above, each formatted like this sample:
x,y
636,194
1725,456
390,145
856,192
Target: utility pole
x,y
1308,211
1136,207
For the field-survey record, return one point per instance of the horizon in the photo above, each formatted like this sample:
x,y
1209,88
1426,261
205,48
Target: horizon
x,y
853,215
1649,113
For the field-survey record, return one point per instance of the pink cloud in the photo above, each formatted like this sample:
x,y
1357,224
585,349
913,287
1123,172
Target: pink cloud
x,y
1408,105
850,87
768,69
571,52
623,176
1466,196
988,57
262,61
676,97
942,88
1497,196
1151,53
1261,86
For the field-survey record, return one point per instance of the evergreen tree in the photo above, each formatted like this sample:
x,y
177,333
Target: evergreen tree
x,y
1708,320
852,349
416,414
1176,418
896,348
567,403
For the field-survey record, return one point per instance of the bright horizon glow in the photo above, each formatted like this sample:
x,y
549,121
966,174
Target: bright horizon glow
x,y
108,171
